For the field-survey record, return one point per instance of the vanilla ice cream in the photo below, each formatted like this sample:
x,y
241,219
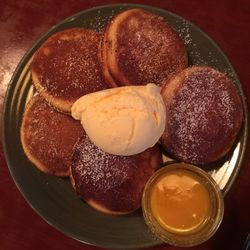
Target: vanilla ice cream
x,y
122,121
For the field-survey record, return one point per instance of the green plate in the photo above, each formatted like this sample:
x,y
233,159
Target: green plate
x,y
53,198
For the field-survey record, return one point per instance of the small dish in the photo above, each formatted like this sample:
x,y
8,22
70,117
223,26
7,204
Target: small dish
x,y
182,205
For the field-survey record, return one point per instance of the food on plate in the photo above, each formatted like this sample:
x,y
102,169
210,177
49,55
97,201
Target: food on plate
x,y
67,66
48,137
140,47
110,156
203,115
111,184
122,121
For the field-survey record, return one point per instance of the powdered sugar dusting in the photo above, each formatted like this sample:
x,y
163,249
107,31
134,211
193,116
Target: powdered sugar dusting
x,y
99,21
184,31
115,182
99,171
49,135
71,68
148,49
204,109
194,47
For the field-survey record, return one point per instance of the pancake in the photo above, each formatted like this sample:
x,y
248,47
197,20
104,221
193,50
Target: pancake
x,y
203,113
140,47
67,67
48,137
109,183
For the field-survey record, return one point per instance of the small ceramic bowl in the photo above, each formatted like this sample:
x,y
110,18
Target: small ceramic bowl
x,y
194,236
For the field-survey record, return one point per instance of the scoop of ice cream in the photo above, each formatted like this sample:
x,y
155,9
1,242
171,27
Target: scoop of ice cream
x,y
122,121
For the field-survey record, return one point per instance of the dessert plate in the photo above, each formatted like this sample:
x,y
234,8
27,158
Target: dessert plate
x,y
53,198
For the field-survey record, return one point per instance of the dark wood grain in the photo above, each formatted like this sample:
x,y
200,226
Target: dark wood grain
x,y
23,21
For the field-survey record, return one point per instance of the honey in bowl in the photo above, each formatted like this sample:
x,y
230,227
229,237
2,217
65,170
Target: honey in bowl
x,y
180,202
182,205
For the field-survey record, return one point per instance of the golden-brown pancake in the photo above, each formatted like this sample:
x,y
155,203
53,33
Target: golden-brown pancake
x,y
140,47
67,67
48,137
203,113
111,184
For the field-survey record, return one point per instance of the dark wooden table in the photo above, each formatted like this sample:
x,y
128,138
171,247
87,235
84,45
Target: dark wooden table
x,y
23,21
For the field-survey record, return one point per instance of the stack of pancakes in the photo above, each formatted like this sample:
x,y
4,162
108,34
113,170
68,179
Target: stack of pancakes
x,y
136,48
